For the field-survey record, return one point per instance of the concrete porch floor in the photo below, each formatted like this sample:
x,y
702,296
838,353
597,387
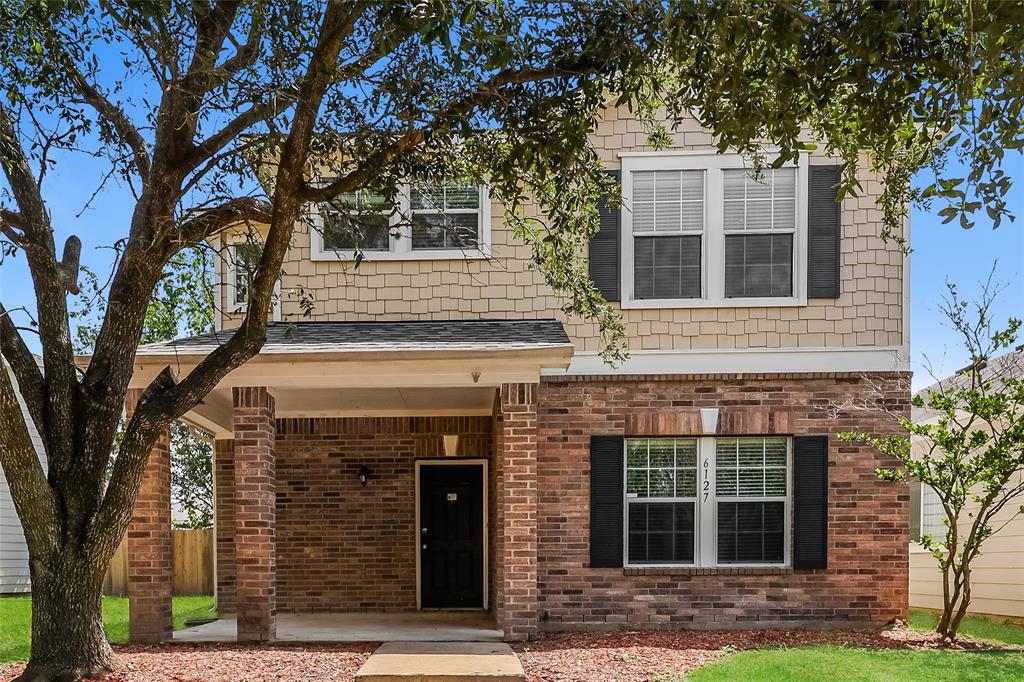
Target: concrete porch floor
x,y
417,626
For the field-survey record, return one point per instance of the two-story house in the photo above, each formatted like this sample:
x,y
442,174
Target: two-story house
x,y
435,434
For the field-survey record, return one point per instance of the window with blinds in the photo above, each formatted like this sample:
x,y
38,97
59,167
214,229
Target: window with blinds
x,y
759,221
707,501
668,226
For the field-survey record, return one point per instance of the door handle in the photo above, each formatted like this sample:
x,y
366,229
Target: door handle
x,y
424,545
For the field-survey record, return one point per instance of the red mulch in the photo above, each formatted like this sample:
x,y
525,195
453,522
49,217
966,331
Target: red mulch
x,y
569,657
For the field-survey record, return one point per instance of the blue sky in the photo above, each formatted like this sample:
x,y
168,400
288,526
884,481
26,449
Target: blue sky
x,y
940,253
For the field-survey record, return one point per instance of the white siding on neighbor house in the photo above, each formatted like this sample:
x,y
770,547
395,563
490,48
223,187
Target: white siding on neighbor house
x,y
997,574
14,575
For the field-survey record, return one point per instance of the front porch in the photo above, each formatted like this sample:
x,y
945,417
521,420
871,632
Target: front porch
x,y
339,515
419,626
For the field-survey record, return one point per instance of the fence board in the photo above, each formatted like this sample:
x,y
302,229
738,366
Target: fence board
x,y
193,565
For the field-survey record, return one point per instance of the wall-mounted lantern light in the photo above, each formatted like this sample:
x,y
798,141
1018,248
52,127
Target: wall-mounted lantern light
x,y
364,474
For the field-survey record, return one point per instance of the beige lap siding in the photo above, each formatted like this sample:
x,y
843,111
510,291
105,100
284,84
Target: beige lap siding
x,y
866,578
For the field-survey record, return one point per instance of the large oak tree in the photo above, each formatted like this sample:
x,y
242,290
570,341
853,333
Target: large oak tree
x,y
180,98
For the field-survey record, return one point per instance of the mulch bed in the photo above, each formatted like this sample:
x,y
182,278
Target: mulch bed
x,y
569,657
643,656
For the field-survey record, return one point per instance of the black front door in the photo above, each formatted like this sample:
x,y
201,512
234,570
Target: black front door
x,y
451,536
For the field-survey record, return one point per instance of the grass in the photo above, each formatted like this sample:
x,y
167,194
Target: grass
x,y
807,664
812,664
16,621
978,628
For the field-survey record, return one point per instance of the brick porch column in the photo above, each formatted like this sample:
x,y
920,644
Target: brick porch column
x,y
255,566
150,564
515,458
224,522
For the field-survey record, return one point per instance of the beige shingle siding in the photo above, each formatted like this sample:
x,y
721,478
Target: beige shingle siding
x,y
869,312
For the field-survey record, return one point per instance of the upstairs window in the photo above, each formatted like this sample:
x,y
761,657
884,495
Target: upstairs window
x,y
668,222
759,220
430,221
243,259
702,231
445,216
357,219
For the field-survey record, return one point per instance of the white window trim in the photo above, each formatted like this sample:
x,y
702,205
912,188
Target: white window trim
x,y
232,306
713,236
706,511
401,245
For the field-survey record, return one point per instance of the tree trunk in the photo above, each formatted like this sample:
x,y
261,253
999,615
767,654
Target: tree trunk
x,y
68,642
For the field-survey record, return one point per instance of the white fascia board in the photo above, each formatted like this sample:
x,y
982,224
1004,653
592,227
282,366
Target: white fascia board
x,y
743,361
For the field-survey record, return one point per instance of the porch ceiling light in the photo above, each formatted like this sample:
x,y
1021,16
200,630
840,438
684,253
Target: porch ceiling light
x,y
364,474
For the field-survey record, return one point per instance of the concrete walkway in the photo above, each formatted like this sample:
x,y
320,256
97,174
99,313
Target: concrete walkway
x,y
417,626
442,662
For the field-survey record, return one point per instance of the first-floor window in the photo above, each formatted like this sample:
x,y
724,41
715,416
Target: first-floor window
x,y
707,501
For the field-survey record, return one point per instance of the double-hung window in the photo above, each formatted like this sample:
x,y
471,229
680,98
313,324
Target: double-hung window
x,y
704,231
243,258
707,501
668,222
759,221
426,221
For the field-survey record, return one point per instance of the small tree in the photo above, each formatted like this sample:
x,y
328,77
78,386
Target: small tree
x,y
969,448
192,476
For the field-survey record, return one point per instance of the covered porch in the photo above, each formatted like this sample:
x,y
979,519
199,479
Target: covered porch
x,y
370,478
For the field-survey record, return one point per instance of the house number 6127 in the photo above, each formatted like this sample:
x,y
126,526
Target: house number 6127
x,y
707,483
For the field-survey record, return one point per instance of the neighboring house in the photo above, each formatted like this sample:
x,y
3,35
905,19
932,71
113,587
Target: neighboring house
x,y
14,573
997,575
436,434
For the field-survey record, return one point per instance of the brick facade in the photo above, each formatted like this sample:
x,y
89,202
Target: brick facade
x,y
341,546
255,514
344,547
866,580
150,563
224,511
515,503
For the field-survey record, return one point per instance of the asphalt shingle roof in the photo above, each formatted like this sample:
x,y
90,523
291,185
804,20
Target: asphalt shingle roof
x,y
1007,366
335,337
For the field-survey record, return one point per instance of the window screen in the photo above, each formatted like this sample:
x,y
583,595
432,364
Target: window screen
x,y
759,219
445,216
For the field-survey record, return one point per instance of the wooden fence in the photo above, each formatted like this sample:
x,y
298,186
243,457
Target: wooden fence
x,y
193,565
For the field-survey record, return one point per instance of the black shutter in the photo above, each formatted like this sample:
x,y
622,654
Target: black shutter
x,y
810,500
606,492
603,254
824,232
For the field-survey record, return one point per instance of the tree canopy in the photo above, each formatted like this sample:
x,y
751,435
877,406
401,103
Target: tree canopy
x,y
178,99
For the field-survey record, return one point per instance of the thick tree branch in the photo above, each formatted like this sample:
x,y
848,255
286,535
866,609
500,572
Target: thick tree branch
x,y
444,118
24,366
162,401
211,221
32,495
115,116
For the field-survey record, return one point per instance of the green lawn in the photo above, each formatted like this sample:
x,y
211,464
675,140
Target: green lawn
x,y
810,664
16,620
978,628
